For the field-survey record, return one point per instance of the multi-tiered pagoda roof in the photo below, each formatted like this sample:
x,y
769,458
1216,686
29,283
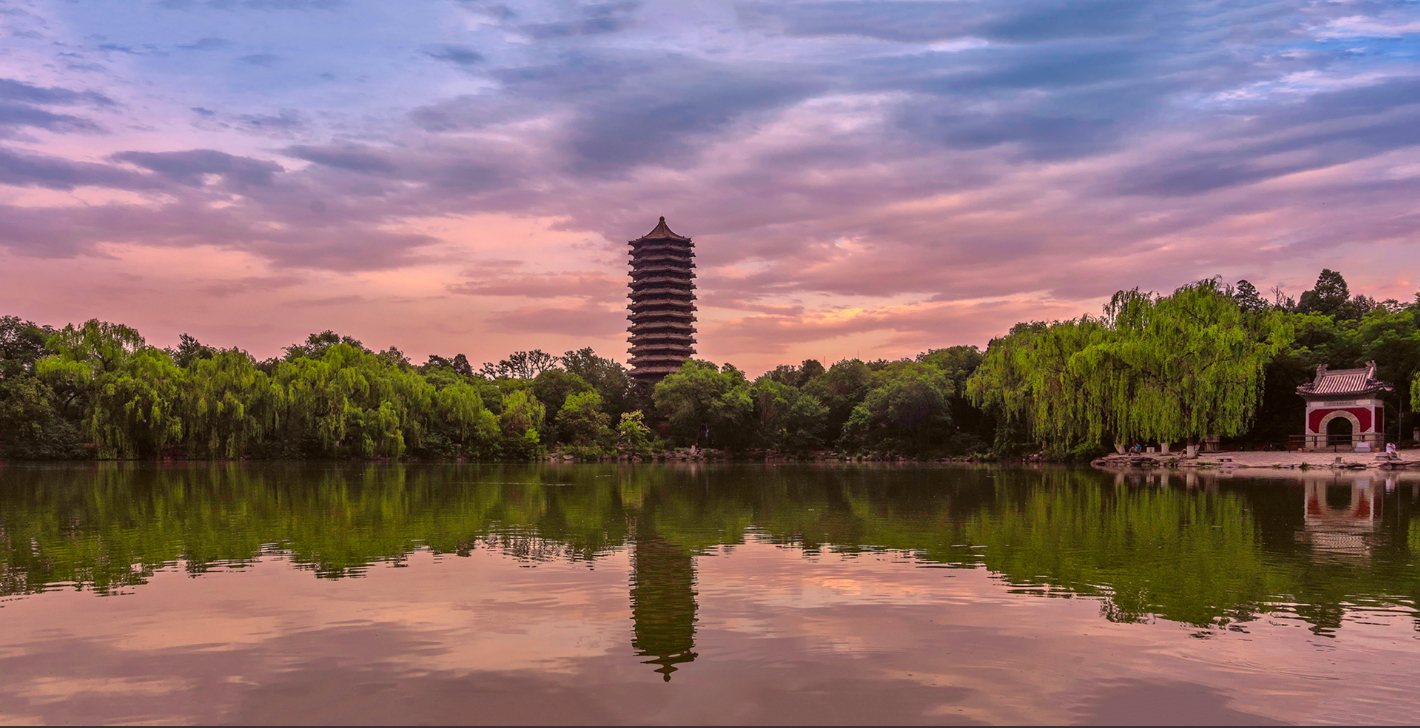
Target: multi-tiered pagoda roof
x,y
662,303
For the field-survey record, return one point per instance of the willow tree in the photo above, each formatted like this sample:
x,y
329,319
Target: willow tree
x,y
128,392
82,355
1026,379
1181,366
352,402
229,404
1153,367
459,411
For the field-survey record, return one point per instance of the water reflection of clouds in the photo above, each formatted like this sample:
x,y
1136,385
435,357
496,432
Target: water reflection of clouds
x,y
480,639
623,581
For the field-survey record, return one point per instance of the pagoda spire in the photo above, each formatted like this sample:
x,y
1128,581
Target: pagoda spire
x,y
662,231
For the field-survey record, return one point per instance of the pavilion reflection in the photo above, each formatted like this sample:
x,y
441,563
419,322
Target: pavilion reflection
x,y
1341,517
663,602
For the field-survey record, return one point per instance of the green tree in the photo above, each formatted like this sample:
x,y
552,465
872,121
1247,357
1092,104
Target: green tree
x,y
789,420
83,354
1181,366
134,411
581,420
840,389
315,345
190,350
22,343
394,357
1025,381
552,388
632,434
229,404
463,422
458,365
706,405
972,429
31,427
522,419
1248,299
1330,297
607,376
521,365
1156,367
350,402
1392,341
908,413
795,376
127,393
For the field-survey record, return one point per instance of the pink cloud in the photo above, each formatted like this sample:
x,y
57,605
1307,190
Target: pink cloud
x,y
588,320
591,286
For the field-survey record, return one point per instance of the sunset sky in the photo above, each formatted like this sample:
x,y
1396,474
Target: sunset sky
x,y
861,178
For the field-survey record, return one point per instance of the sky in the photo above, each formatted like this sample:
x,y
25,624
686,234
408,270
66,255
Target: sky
x,y
868,179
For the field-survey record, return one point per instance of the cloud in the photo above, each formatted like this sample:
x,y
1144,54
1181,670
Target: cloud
x,y
588,20
237,5
625,109
260,59
205,44
250,284
20,102
129,50
906,162
491,10
1323,130
345,300
18,91
190,167
914,327
1390,25
351,158
586,320
286,121
456,54
498,281
56,173
17,115
927,21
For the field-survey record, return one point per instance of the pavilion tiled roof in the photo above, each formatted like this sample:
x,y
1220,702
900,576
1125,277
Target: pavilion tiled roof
x,y
1344,382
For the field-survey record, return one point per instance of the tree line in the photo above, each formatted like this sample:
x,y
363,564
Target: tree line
x,y
1208,359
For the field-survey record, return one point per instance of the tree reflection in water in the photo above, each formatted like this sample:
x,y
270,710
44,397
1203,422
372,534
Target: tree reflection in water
x,y
1215,552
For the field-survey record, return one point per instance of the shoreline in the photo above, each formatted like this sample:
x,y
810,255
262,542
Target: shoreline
x,y
1404,460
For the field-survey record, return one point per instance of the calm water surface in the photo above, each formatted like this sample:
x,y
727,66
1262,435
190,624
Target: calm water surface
x,y
714,594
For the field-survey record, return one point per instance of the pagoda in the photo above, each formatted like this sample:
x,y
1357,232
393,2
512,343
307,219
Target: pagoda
x,y
662,303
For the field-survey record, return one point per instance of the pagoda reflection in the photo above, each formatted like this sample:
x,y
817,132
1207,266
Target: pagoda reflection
x,y
663,603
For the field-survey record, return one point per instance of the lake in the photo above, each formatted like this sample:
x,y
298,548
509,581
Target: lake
x,y
606,594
